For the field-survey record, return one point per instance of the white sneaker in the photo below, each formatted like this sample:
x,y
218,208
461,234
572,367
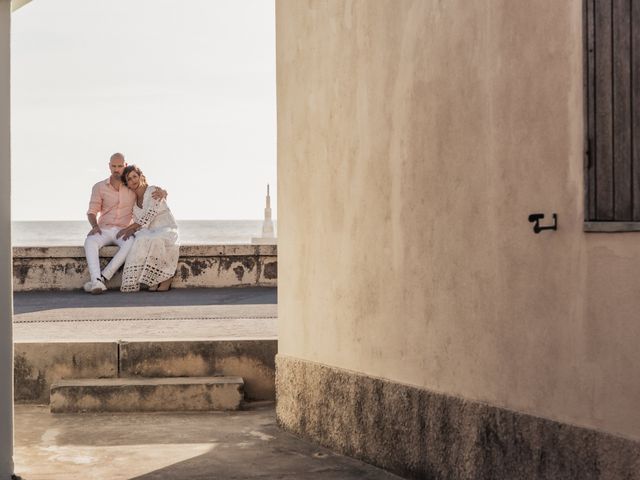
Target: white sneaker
x,y
87,286
98,287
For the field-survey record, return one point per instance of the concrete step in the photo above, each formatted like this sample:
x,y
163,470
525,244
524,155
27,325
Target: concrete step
x,y
39,365
146,394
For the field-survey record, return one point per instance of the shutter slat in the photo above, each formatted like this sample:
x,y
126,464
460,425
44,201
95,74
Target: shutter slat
x,y
603,112
622,109
590,59
635,105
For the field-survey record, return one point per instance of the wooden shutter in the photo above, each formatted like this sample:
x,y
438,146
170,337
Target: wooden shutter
x,y
613,110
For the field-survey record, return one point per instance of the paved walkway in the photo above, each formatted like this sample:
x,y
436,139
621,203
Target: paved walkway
x,y
180,314
159,446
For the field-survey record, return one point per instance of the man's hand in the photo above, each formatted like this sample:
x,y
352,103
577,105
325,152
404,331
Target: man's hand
x,y
94,230
159,194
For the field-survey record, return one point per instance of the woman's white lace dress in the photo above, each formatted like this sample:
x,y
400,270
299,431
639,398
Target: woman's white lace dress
x,y
154,255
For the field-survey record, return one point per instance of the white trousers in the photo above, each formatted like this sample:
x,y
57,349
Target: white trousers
x,y
92,246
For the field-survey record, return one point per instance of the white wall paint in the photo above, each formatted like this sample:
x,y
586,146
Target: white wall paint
x,y
6,299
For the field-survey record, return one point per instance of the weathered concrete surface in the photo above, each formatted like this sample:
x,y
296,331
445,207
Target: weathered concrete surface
x,y
65,268
168,446
150,313
426,435
184,327
38,365
182,314
147,394
253,360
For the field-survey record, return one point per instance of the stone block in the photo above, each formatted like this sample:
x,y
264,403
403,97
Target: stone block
x,y
146,394
38,365
253,360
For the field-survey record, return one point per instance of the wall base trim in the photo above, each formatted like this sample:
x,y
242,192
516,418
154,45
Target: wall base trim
x,y
417,433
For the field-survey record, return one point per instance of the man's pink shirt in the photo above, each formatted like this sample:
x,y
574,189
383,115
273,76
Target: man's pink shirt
x,y
114,208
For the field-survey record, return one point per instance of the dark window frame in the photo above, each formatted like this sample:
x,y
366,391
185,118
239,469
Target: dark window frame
x,y
619,195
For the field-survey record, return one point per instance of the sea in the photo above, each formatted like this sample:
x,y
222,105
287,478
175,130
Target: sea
x,y
192,232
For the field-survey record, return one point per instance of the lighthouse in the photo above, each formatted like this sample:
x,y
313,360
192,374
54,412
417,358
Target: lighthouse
x,y
268,236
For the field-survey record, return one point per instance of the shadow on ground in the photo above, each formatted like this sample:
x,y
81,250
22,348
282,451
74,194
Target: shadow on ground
x,y
35,301
160,446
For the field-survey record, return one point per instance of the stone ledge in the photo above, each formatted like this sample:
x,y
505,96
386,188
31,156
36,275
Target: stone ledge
x,y
418,433
214,266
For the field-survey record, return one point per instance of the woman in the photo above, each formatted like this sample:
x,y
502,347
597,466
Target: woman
x,y
153,259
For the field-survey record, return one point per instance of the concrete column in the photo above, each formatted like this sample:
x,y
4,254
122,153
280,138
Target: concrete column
x,y
6,300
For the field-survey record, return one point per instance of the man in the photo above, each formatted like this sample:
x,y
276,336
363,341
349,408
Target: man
x,y
110,210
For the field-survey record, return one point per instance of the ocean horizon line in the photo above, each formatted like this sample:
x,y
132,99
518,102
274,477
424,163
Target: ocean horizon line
x,y
73,232
178,219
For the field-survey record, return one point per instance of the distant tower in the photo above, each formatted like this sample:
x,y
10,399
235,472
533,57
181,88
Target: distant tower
x,y
268,236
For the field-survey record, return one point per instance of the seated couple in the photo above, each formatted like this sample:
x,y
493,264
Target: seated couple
x,y
125,211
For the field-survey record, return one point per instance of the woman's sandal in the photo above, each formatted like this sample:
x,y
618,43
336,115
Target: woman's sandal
x,y
165,286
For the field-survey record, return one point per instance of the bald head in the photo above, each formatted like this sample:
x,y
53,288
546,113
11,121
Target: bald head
x,y
117,165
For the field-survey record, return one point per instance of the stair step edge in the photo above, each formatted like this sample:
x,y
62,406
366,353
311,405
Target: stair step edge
x,y
115,382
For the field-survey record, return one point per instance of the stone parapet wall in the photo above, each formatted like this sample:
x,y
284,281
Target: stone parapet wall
x,y
65,268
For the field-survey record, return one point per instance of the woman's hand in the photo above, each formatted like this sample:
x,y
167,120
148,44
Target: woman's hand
x,y
126,233
159,194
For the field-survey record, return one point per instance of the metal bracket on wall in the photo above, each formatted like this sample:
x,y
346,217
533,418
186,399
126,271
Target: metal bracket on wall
x,y
537,228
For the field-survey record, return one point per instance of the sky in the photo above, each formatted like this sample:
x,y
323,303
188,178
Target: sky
x,y
186,90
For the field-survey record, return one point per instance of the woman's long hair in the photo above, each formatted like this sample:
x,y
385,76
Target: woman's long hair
x,y
132,168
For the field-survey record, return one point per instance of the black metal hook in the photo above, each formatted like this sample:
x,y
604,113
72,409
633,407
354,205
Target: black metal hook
x,y
536,217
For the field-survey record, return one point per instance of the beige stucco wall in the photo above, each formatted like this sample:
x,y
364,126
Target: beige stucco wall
x,y
6,344
414,139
